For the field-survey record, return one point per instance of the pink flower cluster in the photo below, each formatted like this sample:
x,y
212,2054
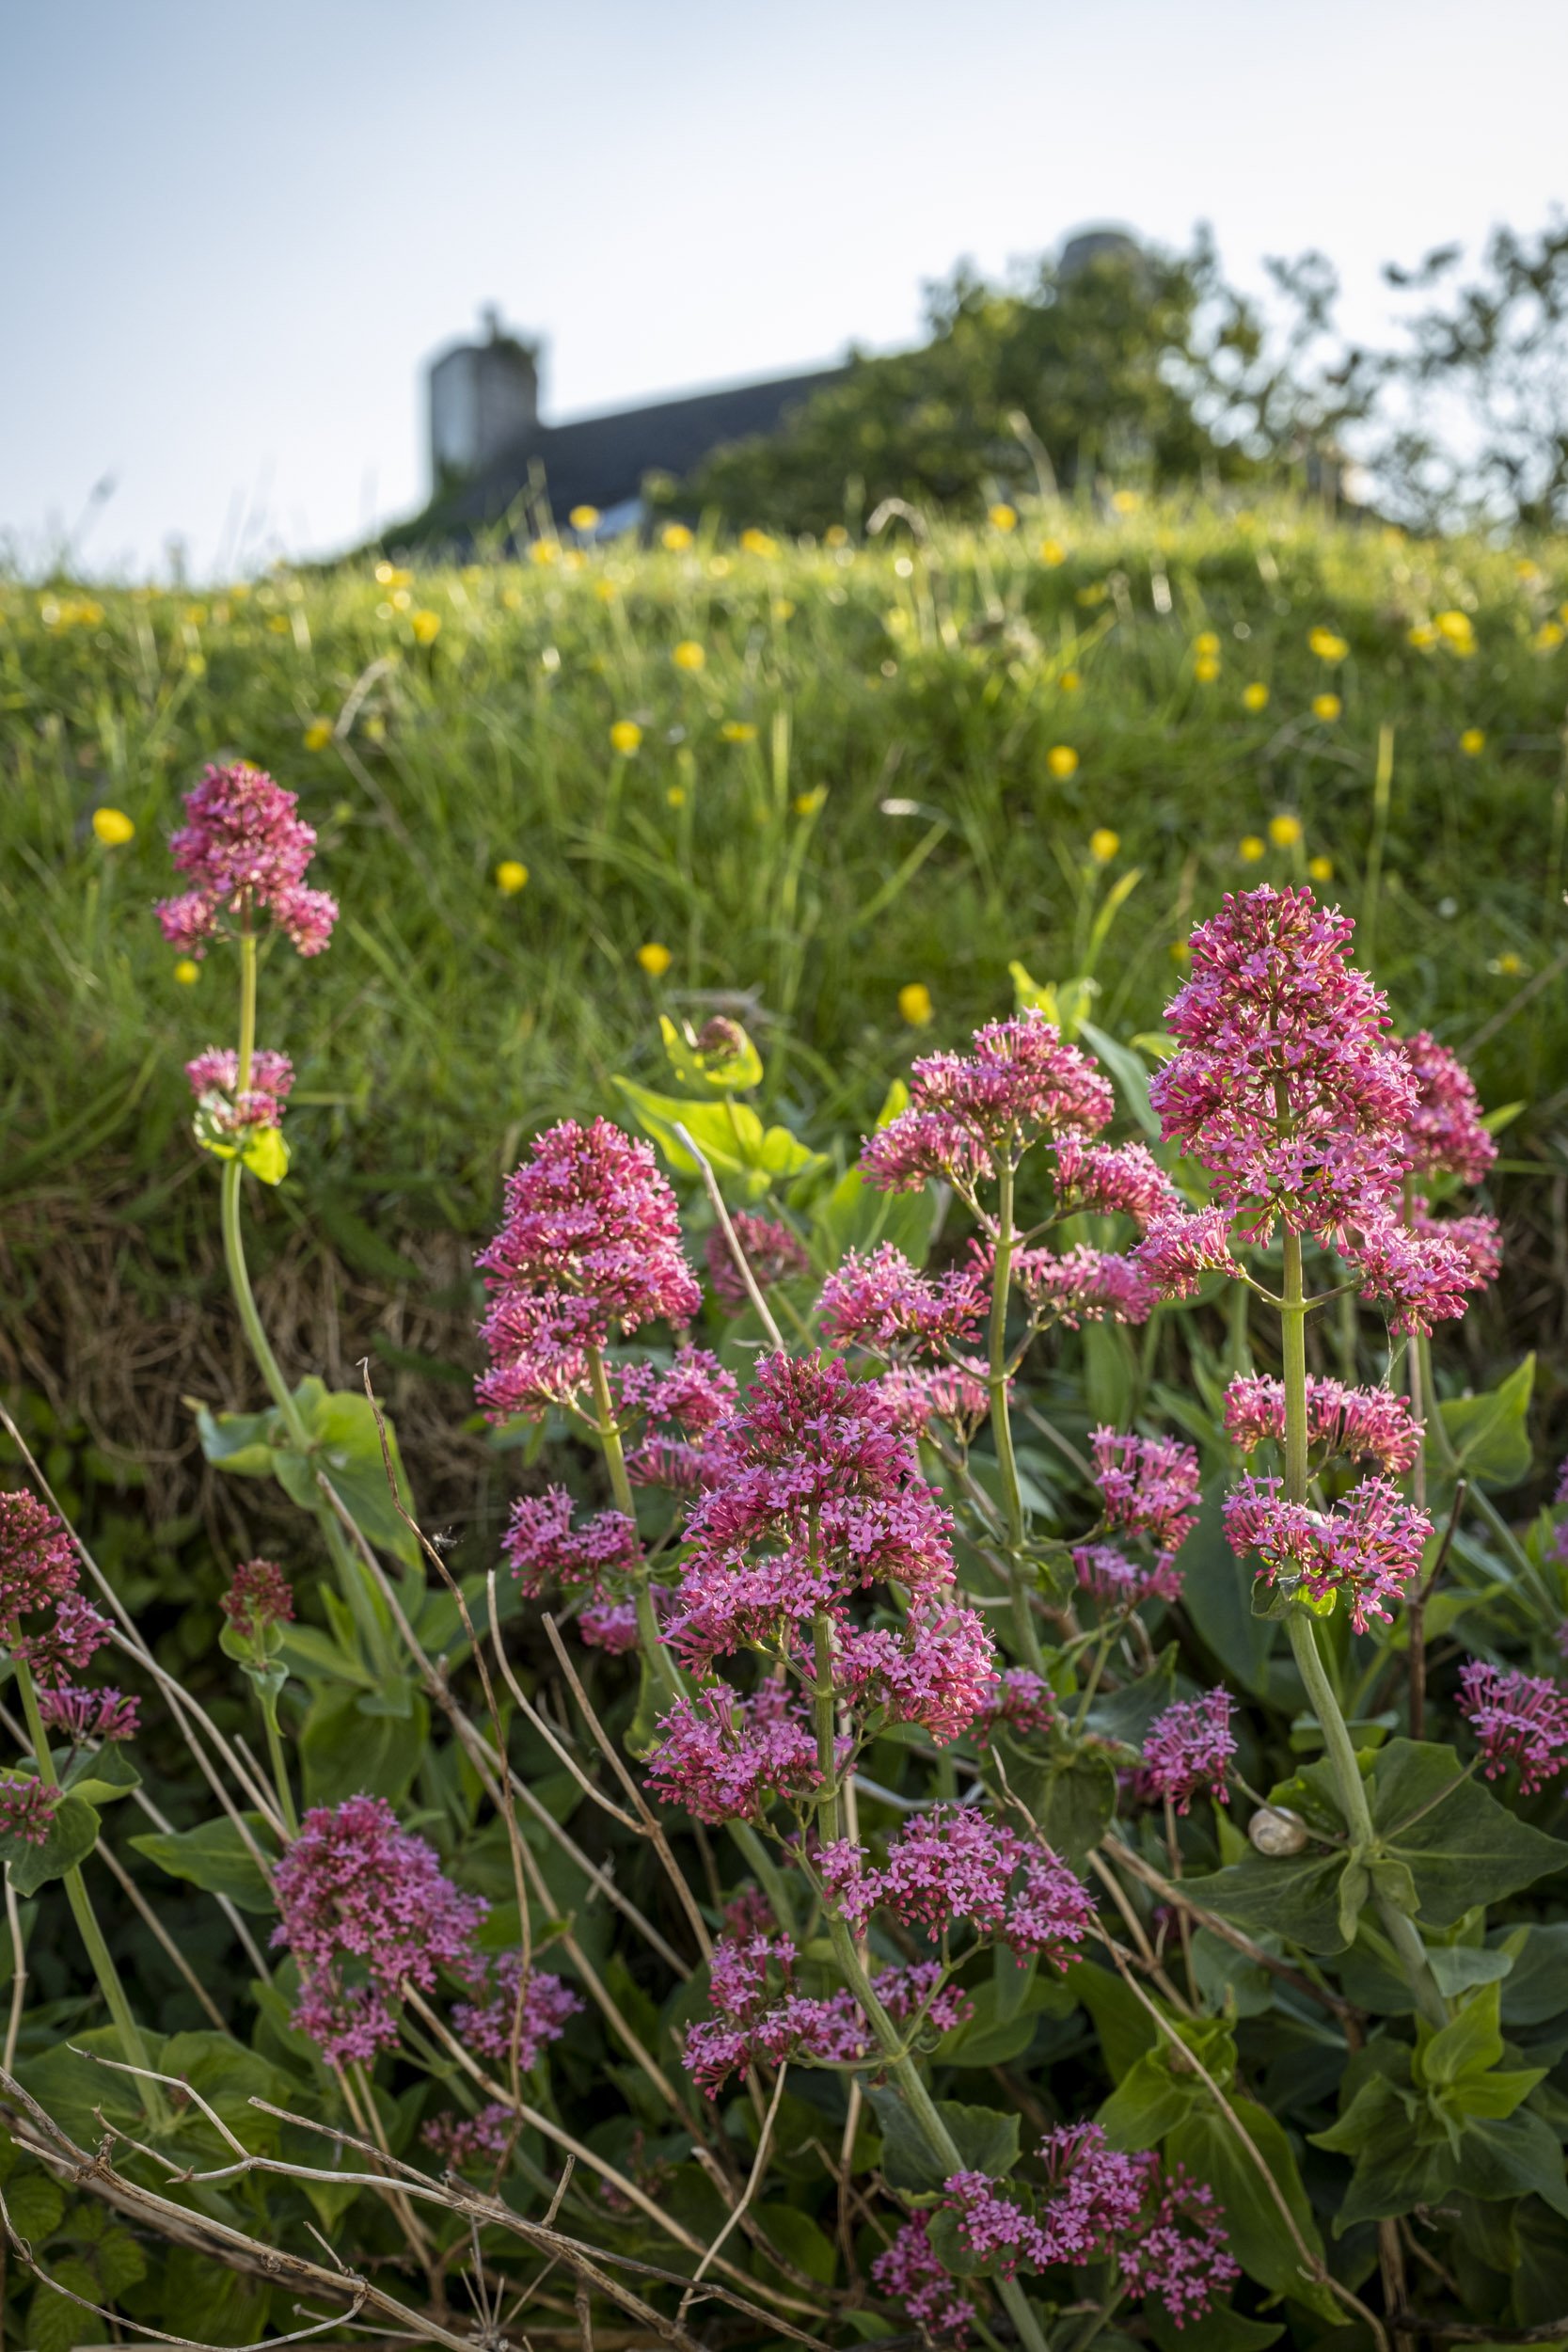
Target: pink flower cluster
x,y
1113,1180
951,1864
515,2008
1118,1582
969,1112
936,1668
774,1253
246,852
1287,1087
1148,1487
672,1419
1187,1748
909,2272
546,1549
1424,1277
38,1572
881,1302
728,1758
1160,2228
214,1078
81,1716
1445,1130
1478,1238
953,1393
472,2142
590,1247
1022,1703
27,1809
1365,1551
1081,1285
762,2017
1517,1719
363,1907
259,1595
1180,1250
1363,1425
817,1494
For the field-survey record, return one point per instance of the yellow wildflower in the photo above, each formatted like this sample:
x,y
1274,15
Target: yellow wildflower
x,y
1320,868
1206,669
1423,636
807,804
1251,849
1002,517
1062,760
914,1004
738,731
1255,697
1471,741
1069,681
511,876
112,827
426,626
835,536
689,655
624,737
783,609
1126,502
1103,845
758,543
1326,645
1284,832
1457,631
1508,966
676,538
543,551
187,972
655,958
1326,706
583,517
1052,553
675,797
1548,637
1206,644
318,735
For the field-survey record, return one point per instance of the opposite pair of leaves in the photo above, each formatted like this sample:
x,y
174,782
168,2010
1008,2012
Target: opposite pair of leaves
x,y
345,1444
1442,2117
1444,1845
90,1779
731,1139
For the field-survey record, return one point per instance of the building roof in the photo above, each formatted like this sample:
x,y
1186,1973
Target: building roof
x,y
601,461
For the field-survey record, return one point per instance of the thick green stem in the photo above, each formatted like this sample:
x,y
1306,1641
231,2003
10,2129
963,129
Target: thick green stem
x,y
76,1895
606,1429
281,1771
1401,1930
1001,1422
922,2109
824,1712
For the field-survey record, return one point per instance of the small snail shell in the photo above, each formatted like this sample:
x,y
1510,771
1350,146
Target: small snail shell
x,y
1276,1830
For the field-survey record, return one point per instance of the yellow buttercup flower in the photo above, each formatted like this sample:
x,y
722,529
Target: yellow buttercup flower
x,y
835,536
624,737
1205,645
676,538
426,626
1320,868
1548,637
675,797
738,731
1457,631
583,517
1326,645
1103,845
1284,832
511,876
112,827
1002,517
655,958
606,591
187,972
1508,965
783,609
1062,760
318,735
1326,706
1126,502
1255,697
1052,553
689,655
1472,741
758,543
1206,669
914,1004
1423,636
1251,849
807,804
1069,681
543,551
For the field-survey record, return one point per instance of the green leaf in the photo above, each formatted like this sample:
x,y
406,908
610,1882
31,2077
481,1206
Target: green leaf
x,y
346,1445
72,1834
1072,1802
1148,2101
1461,1845
1124,2026
1518,2156
1488,1433
213,1857
1126,1068
732,1073
265,1152
34,2204
1216,1594
1293,1896
1469,2044
729,1135
800,2240
239,1443
1209,2149
210,2303
348,1752
987,2140
853,1215
1125,1715
99,1774
1224,2330
997,2033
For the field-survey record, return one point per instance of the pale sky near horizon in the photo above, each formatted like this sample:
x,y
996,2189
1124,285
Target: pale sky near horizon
x,y
234,236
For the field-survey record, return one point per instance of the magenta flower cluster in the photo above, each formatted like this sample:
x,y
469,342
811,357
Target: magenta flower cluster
x,y
1366,1550
1188,1748
727,1758
1446,1132
774,1253
590,1249
38,1574
27,1809
1362,1424
214,1078
1147,1486
82,1716
952,1865
259,1595
760,2017
364,1907
515,2008
971,1113
245,853
1517,1719
879,1301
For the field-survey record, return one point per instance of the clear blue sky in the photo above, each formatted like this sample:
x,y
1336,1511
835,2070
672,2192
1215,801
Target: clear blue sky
x,y
233,233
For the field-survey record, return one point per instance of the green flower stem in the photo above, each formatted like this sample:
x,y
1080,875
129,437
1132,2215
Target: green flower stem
x,y
104,1968
1002,1430
923,2108
280,1769
655,1648
824,1711
1401,1931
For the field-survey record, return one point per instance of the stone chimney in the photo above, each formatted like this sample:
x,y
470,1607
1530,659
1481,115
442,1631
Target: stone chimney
x,y
484,401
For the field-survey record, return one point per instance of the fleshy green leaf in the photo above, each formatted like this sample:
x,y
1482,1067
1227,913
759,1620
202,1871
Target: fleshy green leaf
x,y
214,1856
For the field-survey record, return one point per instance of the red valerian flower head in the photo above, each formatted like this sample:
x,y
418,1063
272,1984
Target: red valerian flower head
x,y
1365,1551
1022,1703
952,1863
1517,1719
953,1393
81,1716
937,1669
590,1247
472,2142
1113,1180
670,1419
1180,1250
1118,1582
774,1253
1362,1424
728,1758
1189,1747
1445,1130
1423,1277
1478,1238
544,1549
363,1907
246,851
1148,1486
259,1595
27,1809
969,1112
909,2271
527,2009
214,1078
68,1644
37,1560
1287,1085
881,1302
1079,1285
